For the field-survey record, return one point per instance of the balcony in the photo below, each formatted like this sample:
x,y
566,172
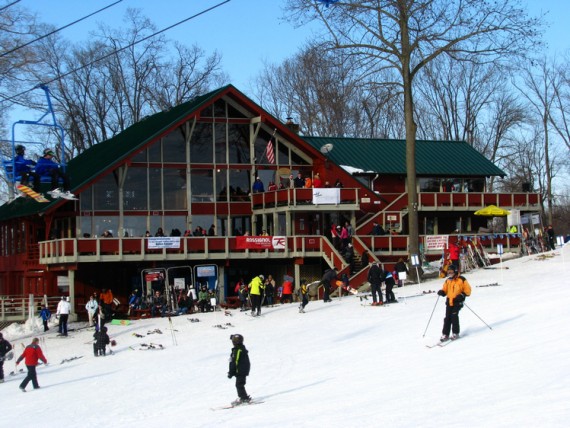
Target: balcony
x,y
455,201
63,251
88,250
302,200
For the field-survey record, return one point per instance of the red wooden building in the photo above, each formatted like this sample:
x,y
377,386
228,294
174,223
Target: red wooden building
x,y
193,167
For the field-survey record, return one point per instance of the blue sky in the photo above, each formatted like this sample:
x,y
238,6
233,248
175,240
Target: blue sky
x,y
246,32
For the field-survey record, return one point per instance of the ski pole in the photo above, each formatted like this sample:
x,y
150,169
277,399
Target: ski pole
x,y
436,300
465,304
172,331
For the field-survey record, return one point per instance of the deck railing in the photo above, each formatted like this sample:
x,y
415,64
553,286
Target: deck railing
x,y
220,248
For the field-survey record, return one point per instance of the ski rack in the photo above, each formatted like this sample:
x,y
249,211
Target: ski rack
x,y
9,164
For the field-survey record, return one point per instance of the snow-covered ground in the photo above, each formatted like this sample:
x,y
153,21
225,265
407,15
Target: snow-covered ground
x,y
338,365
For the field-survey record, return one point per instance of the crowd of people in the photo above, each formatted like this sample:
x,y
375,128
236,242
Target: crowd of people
x,y
299,182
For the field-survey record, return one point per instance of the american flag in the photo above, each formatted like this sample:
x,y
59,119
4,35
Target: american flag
x,y
269,152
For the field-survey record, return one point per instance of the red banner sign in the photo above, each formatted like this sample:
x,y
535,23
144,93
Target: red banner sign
x,y
260,242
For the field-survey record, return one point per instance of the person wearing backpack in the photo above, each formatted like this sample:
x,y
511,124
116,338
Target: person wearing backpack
x,y
455,288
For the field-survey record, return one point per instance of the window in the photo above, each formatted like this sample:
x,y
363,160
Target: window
x,y
202,185
238,144
105,194
135,190
174,145
201,144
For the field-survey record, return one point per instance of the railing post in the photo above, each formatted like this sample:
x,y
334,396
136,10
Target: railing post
x,y
30,306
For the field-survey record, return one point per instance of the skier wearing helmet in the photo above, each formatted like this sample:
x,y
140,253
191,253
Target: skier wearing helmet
x,y
239,367
256,287
456,288
25,168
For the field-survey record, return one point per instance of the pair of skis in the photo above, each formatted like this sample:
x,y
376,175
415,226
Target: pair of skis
x,y
231,406
441,344
41,198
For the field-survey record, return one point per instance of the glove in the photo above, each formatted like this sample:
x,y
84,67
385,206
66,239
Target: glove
x,y
229,376
460,298
441,293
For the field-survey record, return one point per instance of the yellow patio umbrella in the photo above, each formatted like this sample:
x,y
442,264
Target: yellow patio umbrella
x,y
492,211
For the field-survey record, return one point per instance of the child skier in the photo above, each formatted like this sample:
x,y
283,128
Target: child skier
x,y
101,342
304,293
239,367
456,289
45,314
243,297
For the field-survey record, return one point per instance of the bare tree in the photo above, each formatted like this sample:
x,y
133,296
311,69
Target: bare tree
x,y
560,111
321,88
17,27
106,85
188,74
539,86
408,34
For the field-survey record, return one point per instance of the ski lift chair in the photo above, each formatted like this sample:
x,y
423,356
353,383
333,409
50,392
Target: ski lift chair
x,y
9,165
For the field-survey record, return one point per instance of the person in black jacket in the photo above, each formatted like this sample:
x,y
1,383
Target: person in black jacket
x,y
101,342
390,282
328,277
5,347
239,367
375,278
400,267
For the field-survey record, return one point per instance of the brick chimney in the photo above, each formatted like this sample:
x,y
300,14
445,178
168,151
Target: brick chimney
x,y
292,125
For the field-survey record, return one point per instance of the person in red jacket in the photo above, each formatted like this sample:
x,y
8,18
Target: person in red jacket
x,y
287,294
31,354
454,251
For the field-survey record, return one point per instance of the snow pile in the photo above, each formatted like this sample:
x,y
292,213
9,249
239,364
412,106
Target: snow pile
x,y
340,364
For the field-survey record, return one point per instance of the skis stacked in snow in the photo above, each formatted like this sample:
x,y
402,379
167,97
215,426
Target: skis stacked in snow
x,y
150,347
67,360
223,327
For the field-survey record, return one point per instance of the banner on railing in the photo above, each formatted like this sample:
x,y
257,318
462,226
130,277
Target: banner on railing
x,y
260,242
163,242
436,242
324,196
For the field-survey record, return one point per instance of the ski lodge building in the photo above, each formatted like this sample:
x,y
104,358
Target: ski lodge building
x,y
194,167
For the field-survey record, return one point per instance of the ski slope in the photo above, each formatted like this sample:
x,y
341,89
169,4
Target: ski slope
x,y
340,364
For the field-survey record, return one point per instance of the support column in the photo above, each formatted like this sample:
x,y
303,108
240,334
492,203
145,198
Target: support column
x,y
222,282
71,279
297,275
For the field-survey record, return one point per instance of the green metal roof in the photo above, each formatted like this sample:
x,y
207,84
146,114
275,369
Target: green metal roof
x,y
88,165
445,158
433,158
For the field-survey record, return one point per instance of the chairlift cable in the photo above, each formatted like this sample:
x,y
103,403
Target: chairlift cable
x,y
116,51
58,30
8,5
